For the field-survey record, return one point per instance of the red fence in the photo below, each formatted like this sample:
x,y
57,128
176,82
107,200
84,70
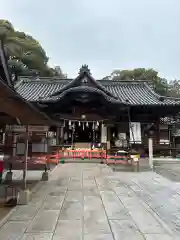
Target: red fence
x,y
36,162
83,153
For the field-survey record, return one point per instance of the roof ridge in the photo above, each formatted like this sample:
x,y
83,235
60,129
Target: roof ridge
x,y
45,81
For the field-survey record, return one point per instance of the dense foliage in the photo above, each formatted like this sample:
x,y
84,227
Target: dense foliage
x,y
161,85
25,54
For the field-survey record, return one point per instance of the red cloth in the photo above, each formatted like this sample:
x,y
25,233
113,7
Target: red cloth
x,y
1,166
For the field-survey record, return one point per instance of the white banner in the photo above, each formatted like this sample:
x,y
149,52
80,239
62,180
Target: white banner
x,y
135,132
103,133
21,128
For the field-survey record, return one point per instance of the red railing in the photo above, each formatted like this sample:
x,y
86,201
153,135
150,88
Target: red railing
x,y
83,153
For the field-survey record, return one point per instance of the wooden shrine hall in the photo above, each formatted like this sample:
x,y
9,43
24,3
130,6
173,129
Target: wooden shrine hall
x,y
114,114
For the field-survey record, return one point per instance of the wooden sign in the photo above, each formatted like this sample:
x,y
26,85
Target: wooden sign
x,y
21,128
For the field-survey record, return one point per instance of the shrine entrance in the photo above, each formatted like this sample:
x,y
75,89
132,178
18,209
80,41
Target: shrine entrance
x,y
82,132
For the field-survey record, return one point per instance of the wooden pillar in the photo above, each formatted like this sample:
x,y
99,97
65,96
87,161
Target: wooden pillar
x,y
157,132
57,135
14,145
61,135
150,145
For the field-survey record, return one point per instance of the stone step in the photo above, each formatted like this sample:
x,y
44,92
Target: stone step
x,y
82,161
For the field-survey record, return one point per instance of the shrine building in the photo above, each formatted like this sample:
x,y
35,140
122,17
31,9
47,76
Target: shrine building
x,y
86,112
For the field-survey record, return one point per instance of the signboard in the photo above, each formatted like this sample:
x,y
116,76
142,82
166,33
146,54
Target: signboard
x,y
21,128
103,133
135,132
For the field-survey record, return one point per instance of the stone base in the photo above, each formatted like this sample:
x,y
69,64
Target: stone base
x,y
9,177
45,176
24,197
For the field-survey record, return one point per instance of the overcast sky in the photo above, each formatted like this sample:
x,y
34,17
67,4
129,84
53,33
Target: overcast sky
x,y
105,34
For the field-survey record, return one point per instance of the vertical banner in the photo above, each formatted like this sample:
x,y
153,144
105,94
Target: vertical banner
x,y
103,133
135,132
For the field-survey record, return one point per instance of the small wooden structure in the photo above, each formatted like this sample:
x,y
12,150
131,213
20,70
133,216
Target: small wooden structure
x,y
14,109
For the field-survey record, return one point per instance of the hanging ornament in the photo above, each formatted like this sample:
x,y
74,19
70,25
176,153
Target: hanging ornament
x,y
69,122
79,123
87,125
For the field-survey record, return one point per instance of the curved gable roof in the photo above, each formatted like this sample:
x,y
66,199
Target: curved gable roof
x,y
84,79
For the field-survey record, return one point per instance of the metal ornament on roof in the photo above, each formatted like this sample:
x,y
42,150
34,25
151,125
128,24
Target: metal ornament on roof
x,y
84,69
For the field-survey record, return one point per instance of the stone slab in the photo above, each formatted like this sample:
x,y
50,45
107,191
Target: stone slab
x,y
13,230
45,221
37,236
53,203
113,207
71,211
74,196
68,229
125,229
159,236
98,236
24,213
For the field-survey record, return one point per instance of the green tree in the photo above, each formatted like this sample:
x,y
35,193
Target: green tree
x,y
174,88
160,84
25,54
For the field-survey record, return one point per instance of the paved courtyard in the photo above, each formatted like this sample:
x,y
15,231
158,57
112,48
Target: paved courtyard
x,y
90,202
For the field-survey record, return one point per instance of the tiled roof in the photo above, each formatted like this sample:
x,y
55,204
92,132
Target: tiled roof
x,y
137,93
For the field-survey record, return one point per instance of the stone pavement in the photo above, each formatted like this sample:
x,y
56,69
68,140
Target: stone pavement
x,y
90,202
